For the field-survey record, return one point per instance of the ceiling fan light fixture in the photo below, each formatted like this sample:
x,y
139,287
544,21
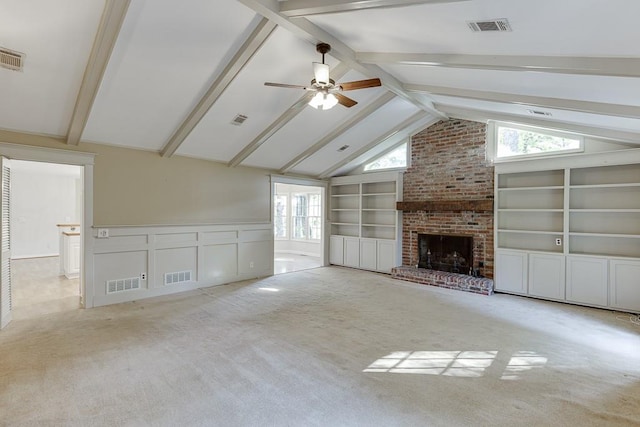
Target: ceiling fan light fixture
x,y
323,101
321,73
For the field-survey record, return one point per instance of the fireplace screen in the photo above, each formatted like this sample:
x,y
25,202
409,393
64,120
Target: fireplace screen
x,y
445,253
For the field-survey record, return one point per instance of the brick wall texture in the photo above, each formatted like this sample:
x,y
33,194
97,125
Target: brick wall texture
x,y
448,163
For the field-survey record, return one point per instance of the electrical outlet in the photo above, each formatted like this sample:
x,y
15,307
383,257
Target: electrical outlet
x,y
103,233
558,242
143,276
251,264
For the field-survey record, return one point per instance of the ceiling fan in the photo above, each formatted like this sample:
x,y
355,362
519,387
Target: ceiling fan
x,y
327,90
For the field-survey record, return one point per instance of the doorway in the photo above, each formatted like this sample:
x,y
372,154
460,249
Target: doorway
x,y
45,233
298,217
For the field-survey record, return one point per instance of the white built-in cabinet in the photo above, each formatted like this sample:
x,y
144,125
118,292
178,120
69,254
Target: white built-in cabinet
x,y
570,234
365,224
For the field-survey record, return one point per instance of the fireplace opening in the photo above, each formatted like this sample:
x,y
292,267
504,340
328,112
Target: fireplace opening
x,y
453,254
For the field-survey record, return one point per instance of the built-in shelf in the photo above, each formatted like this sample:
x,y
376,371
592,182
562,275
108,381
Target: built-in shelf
x,y
570,234
365,227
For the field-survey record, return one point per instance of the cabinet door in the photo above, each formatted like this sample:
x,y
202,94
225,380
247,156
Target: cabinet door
x,y
336,250
386,255
546,276
368,254
74,255
624,282
587,280
511,272
352,252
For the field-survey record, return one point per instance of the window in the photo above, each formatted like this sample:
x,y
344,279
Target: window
x,y
306,216
511,140
396,158
299,216
280,216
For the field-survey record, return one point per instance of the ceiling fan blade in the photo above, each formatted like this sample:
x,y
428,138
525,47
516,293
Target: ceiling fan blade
x,y
288,86
360,84
345,100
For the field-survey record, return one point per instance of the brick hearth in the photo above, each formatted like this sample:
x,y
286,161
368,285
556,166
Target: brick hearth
x,y
442,279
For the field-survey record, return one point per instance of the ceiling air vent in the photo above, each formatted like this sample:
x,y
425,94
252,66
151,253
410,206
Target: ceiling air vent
x,y
492,25
539,113
238,120
344,147
11,59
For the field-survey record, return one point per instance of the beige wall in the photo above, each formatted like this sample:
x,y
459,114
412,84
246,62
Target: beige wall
x,y
133,187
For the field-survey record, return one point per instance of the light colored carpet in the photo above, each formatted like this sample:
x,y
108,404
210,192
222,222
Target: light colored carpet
x,y
292,350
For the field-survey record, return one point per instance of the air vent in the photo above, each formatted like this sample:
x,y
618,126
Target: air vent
x,y
239,119
177,277
539,113
122,285
493,25
344,147
11,59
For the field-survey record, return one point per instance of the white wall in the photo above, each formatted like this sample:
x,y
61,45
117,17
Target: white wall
x,y
42,195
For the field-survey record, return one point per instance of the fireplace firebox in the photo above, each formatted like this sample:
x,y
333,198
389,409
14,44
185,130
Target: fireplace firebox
x,y
453,254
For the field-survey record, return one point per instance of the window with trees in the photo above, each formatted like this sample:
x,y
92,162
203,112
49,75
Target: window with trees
x,y
396,158
511,140
280,216
306,216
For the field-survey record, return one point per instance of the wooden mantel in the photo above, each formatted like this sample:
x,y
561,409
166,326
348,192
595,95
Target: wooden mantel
x,y
475,205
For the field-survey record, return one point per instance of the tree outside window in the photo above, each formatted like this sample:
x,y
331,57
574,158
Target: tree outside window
x,y
396,158
280,216
514,141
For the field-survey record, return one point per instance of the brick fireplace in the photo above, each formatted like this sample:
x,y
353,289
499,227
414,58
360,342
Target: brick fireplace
x,y
448,190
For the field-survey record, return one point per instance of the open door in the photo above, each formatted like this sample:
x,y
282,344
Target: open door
x,y
5,243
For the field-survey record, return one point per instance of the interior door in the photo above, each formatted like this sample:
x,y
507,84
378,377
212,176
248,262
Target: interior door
x,y
5,243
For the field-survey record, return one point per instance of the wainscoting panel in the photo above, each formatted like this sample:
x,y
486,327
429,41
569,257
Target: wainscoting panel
x,y
159,260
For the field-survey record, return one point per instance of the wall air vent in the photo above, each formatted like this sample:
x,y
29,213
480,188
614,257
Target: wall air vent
x,y
539,113
492,25
122,285
344,147
11,59
177,277
239,119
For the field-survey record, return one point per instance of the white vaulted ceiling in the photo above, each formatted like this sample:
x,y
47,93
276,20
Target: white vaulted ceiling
x,y
170,76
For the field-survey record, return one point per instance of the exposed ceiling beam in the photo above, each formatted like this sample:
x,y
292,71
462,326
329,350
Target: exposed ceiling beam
x,y
534,101
416,122
354,120
337,73
305,29
595,66
293,8
257,37
106,36
592,131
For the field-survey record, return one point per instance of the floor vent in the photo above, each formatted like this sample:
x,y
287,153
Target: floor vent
x,y
11,59
493,25
177,277
122,285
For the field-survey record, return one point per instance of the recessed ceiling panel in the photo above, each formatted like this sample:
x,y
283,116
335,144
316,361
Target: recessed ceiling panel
x,y
373,127
282,59
613,90
558,116
544,27
56,38
165,58
309,127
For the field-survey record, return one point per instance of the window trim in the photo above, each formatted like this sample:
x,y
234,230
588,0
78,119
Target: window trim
x,y
492,142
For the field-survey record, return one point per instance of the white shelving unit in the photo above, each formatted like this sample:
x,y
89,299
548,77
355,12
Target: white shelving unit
x,y
365,225
570,234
